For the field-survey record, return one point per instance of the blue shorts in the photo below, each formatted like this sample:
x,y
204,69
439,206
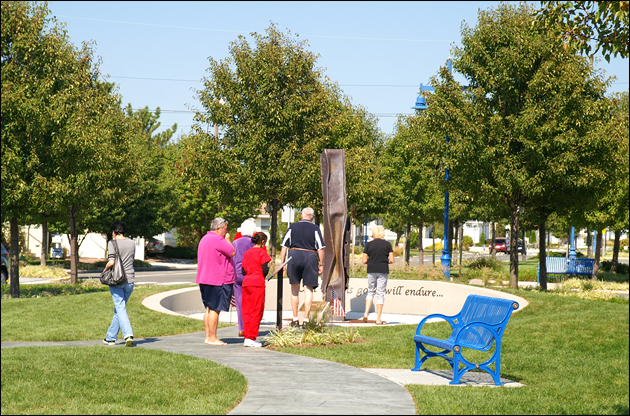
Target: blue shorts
x,y
303,268
217,298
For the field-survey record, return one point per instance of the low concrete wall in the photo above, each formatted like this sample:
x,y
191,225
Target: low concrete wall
x,y
414,297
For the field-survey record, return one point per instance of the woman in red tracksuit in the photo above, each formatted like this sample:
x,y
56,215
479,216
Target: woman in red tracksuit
x,y
255,267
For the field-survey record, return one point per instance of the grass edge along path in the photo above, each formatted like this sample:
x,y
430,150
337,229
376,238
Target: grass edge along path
x,y
85,315
571,354
105,380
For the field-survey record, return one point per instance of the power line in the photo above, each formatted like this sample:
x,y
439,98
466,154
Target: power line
x,y
244,31
341,85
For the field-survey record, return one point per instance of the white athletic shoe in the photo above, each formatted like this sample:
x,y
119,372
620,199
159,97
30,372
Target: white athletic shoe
x,y
251,343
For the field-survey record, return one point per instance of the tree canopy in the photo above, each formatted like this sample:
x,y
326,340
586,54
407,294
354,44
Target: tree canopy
x,y
584,24
522,130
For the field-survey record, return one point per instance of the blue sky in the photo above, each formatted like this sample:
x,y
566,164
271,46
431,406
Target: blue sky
x,y
378,52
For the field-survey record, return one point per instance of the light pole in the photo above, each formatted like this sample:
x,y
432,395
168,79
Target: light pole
x,y
421,105
572,253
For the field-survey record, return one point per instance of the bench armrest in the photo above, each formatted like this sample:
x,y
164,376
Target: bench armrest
x,y
449,319
468,327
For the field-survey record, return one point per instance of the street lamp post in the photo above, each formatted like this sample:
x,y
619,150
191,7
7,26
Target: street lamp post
x,y
572,253
446,254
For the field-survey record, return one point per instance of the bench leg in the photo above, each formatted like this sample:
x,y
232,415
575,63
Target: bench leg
x,y
418,361
457,373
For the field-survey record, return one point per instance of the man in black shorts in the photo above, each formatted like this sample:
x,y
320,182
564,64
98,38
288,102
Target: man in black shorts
x,y
304,240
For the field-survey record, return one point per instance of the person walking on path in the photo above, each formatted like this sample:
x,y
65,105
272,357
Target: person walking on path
x,y
255,268
378,255
248,229
304,240
215,276
121,293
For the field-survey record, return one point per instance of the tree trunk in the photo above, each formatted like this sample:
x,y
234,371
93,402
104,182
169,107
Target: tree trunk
x,y
589,244
524,250
74,255
44,255
598,250
273,232
420,248
615,258
407,244
542,258
15,258
514,247
450,240
456,243
494,235
461,247
433,238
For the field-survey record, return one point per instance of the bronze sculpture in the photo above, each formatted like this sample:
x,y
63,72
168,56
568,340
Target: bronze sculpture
x,y
336,225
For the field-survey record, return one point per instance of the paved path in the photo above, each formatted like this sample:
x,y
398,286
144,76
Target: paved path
x,y
280,383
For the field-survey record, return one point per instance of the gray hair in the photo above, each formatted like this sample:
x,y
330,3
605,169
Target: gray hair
x,y
308,212
217,223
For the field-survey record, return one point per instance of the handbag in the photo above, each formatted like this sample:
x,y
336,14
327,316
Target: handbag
x,y
116,274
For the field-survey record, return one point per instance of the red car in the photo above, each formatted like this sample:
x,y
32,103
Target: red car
x,y
501,244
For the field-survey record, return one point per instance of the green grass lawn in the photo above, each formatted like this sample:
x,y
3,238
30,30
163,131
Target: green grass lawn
x,y
100,379
571,354
105,380
57,317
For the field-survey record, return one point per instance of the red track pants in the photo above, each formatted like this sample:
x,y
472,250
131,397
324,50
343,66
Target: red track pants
x,y
253,307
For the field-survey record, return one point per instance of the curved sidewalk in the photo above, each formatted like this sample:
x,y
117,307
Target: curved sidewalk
x,y
280,383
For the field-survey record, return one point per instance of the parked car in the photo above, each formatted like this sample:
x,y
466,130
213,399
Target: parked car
x,y
4,267
501,244
56,252
520,247
153,246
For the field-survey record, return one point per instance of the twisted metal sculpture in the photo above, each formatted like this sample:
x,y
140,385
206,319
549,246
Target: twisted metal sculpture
x,y
336,225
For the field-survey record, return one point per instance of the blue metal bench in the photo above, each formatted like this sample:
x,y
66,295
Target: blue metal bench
x,y
563,266
478,326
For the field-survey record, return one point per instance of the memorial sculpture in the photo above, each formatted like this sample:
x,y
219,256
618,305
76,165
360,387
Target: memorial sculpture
x,y
335,277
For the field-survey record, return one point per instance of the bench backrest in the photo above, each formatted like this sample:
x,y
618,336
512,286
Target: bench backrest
x,y
569,266
581,266
492,311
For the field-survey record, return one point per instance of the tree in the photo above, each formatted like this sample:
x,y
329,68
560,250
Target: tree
x,y
412,169
522,130
581,23
203,188
64,134
278,113
611,210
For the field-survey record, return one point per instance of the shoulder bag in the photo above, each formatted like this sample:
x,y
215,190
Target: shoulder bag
x,y
116,274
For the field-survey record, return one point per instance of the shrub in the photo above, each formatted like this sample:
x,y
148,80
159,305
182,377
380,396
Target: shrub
x,y
317,332
180,252
413,239
43,271
482,262
438,247
467,242
621,267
